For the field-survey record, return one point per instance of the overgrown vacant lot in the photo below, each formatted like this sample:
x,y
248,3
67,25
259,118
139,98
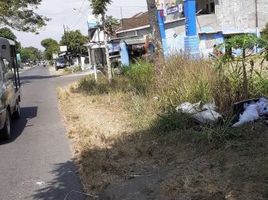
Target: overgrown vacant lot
x,y
118,162
129,144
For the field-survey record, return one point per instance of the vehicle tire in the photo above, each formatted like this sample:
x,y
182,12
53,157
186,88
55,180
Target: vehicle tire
x,y
17,112
6,131
56,68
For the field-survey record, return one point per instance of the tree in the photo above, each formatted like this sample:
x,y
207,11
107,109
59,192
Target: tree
x,y
111,24
20,15
152,12
99,7
51,47
30,54
7,33
244,42
75,42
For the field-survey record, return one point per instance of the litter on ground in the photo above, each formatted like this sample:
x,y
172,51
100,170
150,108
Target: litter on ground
x,y
204,114
252,111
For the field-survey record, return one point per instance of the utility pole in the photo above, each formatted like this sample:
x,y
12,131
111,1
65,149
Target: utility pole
x,y
121,12
109,67
256,18
64,32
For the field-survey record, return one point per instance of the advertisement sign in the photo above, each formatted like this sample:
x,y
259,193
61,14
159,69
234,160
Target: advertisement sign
x,y
172,10
63,48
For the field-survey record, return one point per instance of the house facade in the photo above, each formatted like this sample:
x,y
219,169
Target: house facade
x,y
216,20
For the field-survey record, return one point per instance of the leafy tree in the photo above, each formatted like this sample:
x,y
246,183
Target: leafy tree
x,y
246,43
30,54
75,41
51,47
111,24
99,7
7,33
20,15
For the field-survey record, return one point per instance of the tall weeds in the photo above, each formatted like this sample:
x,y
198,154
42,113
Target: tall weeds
x,y
151,92
181,79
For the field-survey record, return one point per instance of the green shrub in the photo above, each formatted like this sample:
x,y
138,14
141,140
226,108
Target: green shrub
x,y
259,85
219,133
171,121
89,85
140,76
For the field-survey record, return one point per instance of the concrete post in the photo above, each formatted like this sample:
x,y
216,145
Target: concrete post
x,y
191,40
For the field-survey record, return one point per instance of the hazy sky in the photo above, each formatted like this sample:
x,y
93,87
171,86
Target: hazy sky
x,y
73,13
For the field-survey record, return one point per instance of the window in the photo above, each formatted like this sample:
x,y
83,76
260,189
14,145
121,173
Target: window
x,y
212,7
206,6
7,70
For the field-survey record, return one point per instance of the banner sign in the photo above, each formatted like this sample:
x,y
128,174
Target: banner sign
x,y
172,10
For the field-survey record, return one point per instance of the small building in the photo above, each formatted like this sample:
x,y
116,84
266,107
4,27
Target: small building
x,y
216,21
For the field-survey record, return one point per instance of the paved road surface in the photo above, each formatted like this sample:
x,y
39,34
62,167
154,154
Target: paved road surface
x,y
37,162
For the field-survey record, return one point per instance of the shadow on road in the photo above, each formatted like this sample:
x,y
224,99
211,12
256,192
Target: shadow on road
x,y
36,77
28,79
19,125
64,186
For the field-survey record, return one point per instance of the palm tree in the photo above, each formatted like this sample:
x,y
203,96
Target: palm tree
x,y
99,7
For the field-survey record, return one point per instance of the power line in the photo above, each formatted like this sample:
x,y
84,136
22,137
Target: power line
x,y
78,22
79,11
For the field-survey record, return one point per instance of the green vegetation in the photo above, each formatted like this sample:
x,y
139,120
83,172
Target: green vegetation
x,y
151,94
99,7
51,47
20,15
8,33
30,54
130,127
75,42
111,24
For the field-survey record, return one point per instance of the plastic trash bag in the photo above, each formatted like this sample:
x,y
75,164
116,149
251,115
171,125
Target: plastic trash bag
x,y
204,114
252,112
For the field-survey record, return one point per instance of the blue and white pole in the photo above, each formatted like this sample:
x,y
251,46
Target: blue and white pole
x,y
161,24
191,40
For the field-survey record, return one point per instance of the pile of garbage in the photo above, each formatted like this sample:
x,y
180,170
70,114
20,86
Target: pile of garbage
x,y
248,111
252,110
204,114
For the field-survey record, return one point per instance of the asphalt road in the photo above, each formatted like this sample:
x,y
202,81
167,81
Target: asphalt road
x,y
37,162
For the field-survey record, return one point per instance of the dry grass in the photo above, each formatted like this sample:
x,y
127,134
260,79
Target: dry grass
x,y
117,160
130,145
